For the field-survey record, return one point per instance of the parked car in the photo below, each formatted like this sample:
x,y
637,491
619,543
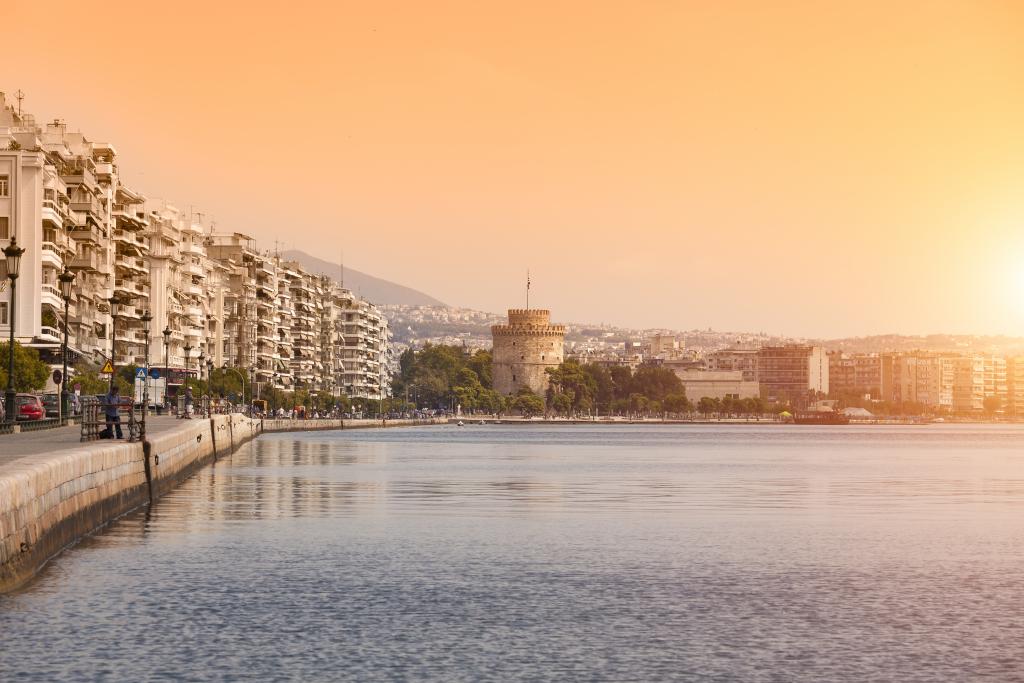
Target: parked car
x,y
51,403
29,407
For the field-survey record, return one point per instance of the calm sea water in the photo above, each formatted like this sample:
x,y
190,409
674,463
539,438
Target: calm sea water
x,y
627,553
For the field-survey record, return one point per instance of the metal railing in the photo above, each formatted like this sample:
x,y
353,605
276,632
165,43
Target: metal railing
x,y
96,425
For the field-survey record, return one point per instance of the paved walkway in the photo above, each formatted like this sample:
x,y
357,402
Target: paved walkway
x,y
47,442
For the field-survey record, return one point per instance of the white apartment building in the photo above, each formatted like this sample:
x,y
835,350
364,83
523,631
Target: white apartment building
x,y
216,295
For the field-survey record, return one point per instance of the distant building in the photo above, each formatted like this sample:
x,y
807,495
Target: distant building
x,y
854,374
716,384
524,348
947,381
794,373
742,358
1015,386
662,346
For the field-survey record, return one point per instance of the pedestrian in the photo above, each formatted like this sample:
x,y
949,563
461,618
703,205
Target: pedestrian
x,y
188,403
111,409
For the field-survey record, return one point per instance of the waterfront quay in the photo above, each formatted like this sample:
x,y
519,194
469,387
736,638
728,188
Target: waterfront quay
x,y
55,489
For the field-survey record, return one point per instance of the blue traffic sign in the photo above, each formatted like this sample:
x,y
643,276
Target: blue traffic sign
x,y
140,373
154,373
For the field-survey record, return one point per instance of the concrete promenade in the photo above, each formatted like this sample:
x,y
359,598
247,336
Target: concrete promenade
x,y
55,489
15,447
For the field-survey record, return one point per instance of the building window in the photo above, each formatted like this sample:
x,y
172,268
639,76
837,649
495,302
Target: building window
x,y
5,186
3,312
5,228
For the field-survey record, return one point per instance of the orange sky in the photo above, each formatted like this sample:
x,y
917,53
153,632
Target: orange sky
x,y
804,168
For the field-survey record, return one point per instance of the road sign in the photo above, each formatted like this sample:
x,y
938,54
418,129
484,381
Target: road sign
x,y
154,373
108,368
57,376
140,373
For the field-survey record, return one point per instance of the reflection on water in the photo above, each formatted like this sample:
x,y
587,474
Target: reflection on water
x,y
604,553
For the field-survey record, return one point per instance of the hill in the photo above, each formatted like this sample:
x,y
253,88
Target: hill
x,y
371,288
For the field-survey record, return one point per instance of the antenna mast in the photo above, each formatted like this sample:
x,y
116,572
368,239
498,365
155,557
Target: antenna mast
x,y
20,95
527,289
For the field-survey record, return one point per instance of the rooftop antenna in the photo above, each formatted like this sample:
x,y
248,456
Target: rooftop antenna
x,y
527,289
341,268
20,96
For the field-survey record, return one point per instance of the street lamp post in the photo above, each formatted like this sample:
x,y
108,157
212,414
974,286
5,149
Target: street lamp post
x,y
252,379
147,320
113,301
167,373
199,373
12,254
66,279
209,383
188,353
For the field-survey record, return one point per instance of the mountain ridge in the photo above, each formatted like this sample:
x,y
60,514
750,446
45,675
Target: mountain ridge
x,y
374,289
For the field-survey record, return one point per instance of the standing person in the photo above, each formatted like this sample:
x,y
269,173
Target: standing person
x,y
188,403
111,409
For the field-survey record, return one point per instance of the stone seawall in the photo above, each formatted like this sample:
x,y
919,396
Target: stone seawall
x,y
48,503
276,425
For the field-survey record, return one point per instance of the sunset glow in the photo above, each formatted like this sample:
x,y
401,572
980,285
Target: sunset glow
x,y
754,153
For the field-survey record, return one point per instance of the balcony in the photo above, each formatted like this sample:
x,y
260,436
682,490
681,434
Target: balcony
x,y
127,311
87,233
130,289
128,218
81,176
56,214
133,264
193,269
51,255
131,238
130,336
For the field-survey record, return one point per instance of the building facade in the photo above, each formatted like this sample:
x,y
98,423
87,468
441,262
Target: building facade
x,y
793,373
524,349
717,384
854,374
218,297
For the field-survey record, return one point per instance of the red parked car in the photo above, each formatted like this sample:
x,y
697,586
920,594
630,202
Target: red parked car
x,y
29,407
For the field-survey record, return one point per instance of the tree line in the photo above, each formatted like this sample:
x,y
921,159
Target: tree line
x,y
447,377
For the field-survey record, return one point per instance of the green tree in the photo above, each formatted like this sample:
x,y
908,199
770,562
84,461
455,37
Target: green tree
x,y
992,404
622,381
604,387
656,382
30,373
87,377
677,404
480,363
570,379
638,404
562,403
528,403
706,405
